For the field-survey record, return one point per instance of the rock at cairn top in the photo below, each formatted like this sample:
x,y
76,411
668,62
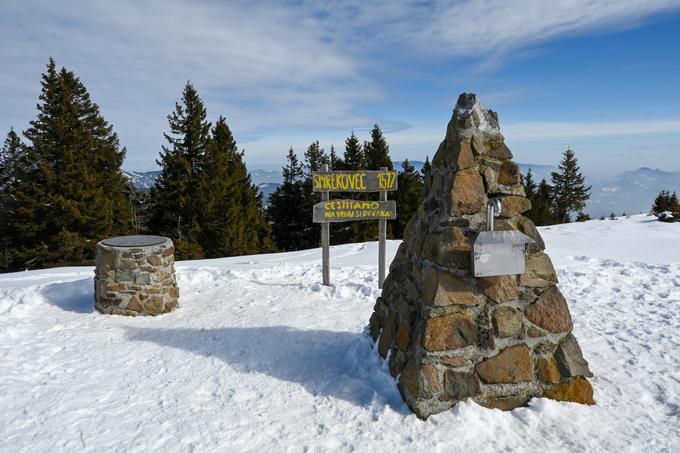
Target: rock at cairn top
x,y
448,335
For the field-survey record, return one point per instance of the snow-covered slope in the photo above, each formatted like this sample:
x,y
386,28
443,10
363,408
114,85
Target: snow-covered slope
x,y
261,357
142,180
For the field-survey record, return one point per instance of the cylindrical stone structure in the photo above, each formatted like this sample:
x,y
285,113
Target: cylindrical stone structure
x,y
135,275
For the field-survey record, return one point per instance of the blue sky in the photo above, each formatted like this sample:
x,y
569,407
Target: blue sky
x,y
602,77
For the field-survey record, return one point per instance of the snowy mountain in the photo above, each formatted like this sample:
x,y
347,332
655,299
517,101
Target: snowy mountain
x,y
266,176
142,180
260,356
266,189
631,191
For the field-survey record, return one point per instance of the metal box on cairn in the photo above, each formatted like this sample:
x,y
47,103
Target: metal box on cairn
x,y
498,252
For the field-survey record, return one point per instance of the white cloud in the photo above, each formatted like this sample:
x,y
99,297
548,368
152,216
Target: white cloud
x,y
276,69
542,130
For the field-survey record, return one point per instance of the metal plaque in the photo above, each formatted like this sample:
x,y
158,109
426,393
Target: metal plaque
x,y
354,181
350,210
134,241
499,253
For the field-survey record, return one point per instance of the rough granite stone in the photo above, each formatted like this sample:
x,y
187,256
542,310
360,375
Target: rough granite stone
x,y
442,289
459,385
546,369
576,390
135,280
511,365
499,288
449,332
467,193
550,312
539,272
450,336
507,321
570,358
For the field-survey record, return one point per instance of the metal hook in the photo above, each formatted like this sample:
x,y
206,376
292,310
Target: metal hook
x,y
493,208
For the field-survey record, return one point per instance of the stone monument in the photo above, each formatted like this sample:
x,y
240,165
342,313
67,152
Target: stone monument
x,y
135,275
449,336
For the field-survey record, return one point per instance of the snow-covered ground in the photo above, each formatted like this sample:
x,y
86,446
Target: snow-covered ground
x,y
261,357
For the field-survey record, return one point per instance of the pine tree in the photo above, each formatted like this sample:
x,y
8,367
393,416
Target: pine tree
x,y
529,185
427,166
541,205
354,154
315,158
664,203
230,217
569,191
377,152
174,210
408,196
336,163
293,170
10,158
344,232
289,221
376,156
582,217
70,191
530,188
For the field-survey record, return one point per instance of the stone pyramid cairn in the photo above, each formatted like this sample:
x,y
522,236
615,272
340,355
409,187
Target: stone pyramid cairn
x,y
449,336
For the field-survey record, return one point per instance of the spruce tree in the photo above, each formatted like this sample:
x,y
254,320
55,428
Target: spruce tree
x,y
10,158
377,151
569,190
425,173
344,232
407,197
541,205
427,166
315,158
354,154
664,203
582,217
289,221
174,207
529,185
293,170
230,217
336,163
70,191
530,188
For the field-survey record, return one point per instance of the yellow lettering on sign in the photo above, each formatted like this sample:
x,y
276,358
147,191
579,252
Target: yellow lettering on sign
x,y
340,181
386,180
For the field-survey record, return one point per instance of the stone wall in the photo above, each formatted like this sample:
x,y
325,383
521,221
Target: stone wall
x,y
449,336
136,280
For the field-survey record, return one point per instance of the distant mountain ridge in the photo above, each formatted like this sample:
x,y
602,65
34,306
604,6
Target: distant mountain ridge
x,y
142,180
630,192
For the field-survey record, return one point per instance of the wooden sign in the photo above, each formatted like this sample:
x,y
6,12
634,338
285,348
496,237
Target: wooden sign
x,y
354,181
349,210
329,211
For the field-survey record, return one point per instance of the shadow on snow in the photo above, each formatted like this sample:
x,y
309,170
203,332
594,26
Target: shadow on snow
x,y
76,296
337,364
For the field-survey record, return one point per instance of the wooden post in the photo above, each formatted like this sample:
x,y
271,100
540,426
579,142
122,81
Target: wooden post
x,y
325,242
382,236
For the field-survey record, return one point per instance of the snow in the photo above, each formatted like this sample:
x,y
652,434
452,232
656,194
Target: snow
x,y
482,115
261,357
